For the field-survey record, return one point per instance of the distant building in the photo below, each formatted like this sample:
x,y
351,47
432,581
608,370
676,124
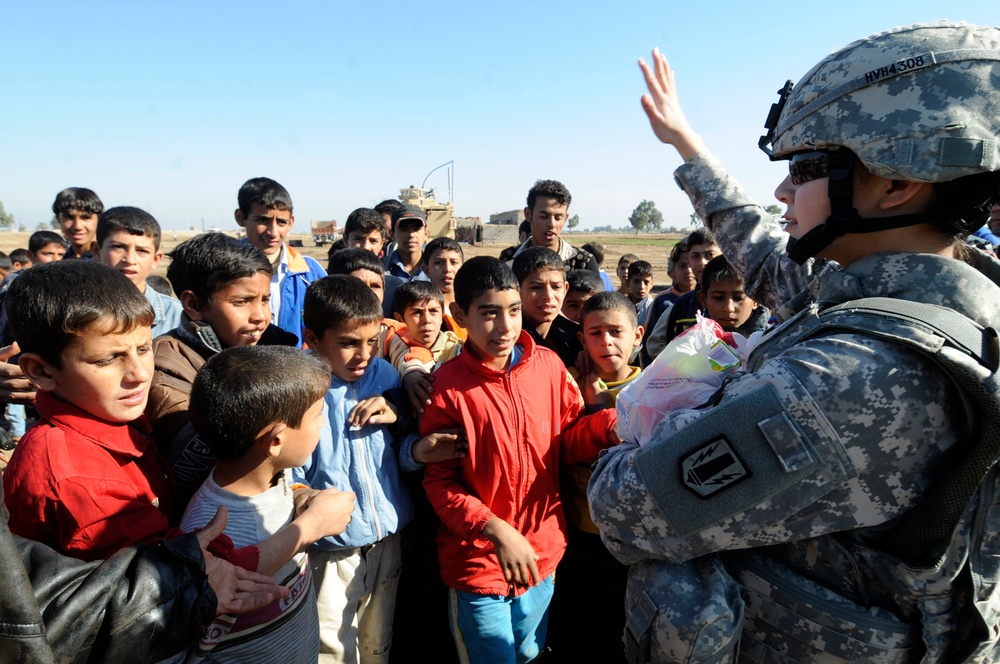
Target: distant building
x,y
511,217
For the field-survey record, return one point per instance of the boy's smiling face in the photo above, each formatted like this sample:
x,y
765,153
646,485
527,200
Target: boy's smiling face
x,y
348,348
79,228
542,293
493,323
609,337
135,256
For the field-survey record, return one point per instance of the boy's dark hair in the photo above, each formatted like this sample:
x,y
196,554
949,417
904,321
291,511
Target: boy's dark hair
x,y
441,244
388,206
20,256
353,259
676,252
5,262
534,259
640,269
131,220
610,301
52,304
701,236
77,198
413,292
339,300
242,391
627,259
480,274
549,189
40,239
209,262
584,281
264,191
718,269
159,284
595,249
364,221
525,227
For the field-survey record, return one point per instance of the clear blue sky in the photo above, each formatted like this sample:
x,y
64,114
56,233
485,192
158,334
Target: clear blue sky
x,y
170,106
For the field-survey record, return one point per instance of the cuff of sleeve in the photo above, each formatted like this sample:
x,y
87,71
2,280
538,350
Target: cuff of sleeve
x,y
406,461
476,538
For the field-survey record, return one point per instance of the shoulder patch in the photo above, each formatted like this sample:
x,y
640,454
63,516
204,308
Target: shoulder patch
x,y
713,467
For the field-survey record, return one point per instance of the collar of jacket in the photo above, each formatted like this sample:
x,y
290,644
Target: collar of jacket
x,y
475,364
296,261
128,439
199,336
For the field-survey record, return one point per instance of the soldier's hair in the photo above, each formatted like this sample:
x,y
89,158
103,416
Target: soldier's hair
x,y
388,206
20,256
640,269
130,220
353,259
441,244
415,292
241,392
610,301
549,189
208,263
534,259
263,191
595,249
40,239
719,269
676,253
626,260
479,275
339,300
364,221
701,236
52,304
584,281
77,198
956,195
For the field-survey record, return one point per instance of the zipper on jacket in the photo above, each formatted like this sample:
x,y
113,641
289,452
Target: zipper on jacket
x,y
519,492
366,470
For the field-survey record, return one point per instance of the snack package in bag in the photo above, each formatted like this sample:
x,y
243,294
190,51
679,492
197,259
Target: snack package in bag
x,y
685,375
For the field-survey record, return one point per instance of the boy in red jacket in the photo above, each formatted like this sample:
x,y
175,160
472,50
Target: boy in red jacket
x,y
503,531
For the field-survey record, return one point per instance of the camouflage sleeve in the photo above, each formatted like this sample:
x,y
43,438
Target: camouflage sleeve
x,y
834,434
749,236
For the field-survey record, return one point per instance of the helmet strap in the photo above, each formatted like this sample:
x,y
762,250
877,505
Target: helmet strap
x,y
844,218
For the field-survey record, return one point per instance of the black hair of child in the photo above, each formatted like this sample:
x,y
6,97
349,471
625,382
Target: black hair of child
x,y
719,269
264,191
441,244
626,259
701,236
480,274
77,198
244,390
40,239
414,292
131,220
5,262
549,189
159,284
676,252
20,256
353,259
209,262
534,259
640,269
610,301
364,221
525,227
595,249
388,206
584,281
339,300
50,305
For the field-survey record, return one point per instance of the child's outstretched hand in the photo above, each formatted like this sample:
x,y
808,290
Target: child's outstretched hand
x,y
418,386
663,108
373,410
518,559
442,445
328,513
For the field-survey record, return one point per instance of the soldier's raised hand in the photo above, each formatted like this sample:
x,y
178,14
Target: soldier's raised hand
x,y
663,108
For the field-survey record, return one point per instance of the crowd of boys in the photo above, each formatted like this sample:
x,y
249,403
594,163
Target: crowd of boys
x,y
401,441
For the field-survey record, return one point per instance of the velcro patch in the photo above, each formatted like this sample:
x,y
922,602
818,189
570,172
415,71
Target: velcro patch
x,y
712,467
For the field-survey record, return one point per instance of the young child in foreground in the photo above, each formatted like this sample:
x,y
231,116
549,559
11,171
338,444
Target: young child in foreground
x,y
260,410
420,306
356,573
722,299
503,530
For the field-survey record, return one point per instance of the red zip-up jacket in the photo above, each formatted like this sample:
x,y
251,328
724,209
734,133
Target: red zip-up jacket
x,y
521,426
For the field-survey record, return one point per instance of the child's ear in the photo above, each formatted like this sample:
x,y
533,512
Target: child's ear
x,y
238,215
95,250
38,371
271,440
701,299
398,317
639,329
579,337
191,305
157,257
457,313
310,338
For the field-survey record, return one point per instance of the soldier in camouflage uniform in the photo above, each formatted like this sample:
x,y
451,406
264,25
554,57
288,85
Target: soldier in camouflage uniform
x,y
766,527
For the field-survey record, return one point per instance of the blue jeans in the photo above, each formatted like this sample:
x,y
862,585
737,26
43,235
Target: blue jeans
x,y
494,629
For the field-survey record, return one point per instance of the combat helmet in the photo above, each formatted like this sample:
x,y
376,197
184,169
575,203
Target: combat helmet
x,y
919,103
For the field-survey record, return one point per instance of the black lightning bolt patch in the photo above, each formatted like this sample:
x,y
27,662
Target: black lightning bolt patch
x,y
712,467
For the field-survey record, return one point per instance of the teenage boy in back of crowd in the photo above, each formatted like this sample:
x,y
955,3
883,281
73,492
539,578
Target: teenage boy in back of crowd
x,y
128,239
722,298
265,214
386,208
541,274
503,529
76,210
682,281
640,284
260,410
224,289
442,259
409,225
610,336
596,249
622,272
356,573
583,285
419,305
365,229
547,211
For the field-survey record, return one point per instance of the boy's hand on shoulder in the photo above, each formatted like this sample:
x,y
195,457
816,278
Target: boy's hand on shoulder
x,y
373,410
328,513
419,386
14,386
518,559
302,498
443,445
